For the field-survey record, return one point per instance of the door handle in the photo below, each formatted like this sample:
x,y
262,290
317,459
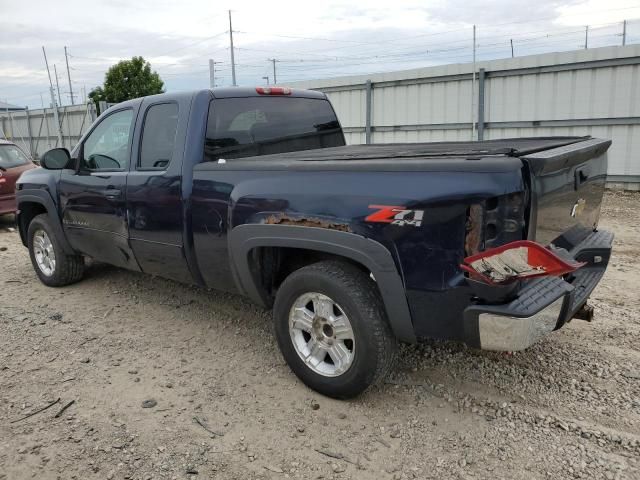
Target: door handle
x,y
112,193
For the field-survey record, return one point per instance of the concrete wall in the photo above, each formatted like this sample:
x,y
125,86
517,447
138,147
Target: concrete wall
x,y
585,92
35,130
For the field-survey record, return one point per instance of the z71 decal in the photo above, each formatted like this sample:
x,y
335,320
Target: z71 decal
x,y
395,215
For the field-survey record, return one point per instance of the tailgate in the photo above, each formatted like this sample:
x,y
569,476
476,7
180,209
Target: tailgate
x,y
567,184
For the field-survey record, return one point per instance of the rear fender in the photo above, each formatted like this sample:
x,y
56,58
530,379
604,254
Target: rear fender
x,y
371,254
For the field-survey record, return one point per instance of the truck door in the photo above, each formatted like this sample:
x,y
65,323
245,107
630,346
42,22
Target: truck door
x,y
154,188
93,198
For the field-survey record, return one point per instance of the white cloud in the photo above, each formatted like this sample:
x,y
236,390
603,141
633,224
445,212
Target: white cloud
x,y
179,37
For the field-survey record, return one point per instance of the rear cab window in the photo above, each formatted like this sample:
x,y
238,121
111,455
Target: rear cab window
x,y
158,136
245,127
11,156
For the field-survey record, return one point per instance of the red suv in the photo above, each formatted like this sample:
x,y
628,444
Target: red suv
x,y
13,162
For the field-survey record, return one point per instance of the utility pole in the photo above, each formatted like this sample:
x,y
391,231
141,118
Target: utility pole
x,y
55,72
473,87
275,79
53,100
624,33
586,37
66,59
45,120
212,73
233,62
512,48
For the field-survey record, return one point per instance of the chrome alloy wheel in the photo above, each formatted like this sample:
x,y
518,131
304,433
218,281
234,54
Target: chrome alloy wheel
x,y
321,334
43,251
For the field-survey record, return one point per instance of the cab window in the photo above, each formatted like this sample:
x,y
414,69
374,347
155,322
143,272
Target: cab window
x,y
158,136
107,147
244,127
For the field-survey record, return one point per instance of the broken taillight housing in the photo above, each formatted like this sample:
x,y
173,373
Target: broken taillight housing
x,y
516,260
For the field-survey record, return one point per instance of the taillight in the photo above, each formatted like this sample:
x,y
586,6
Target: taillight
x,y
516,260
273,90
495,221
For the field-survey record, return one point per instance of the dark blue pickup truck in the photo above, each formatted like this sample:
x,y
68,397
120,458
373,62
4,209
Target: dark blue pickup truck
x,y
355,248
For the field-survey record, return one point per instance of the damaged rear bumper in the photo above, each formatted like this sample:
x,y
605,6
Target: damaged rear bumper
x,y
541,305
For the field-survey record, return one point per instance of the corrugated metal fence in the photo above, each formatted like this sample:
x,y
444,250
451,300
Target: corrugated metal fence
x,y
36,132
587,92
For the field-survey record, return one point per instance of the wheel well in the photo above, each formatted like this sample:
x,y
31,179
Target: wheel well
x,y
271,265
28,211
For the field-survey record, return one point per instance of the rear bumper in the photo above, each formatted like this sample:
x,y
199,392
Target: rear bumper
x,y
542,305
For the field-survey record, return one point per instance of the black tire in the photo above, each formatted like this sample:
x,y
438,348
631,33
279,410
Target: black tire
x,y
68,268
357,295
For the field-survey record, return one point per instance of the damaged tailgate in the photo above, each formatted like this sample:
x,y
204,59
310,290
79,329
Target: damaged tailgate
x,y
567,184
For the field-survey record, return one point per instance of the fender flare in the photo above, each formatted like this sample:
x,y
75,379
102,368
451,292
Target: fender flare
x,y
43,198
373,255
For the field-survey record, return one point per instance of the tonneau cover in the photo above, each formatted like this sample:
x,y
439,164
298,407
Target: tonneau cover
x,y
513,147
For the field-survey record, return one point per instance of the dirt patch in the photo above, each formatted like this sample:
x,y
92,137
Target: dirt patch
x,y
172,381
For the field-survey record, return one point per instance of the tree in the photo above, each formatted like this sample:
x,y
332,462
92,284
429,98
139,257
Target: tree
x,y
128,79
97,95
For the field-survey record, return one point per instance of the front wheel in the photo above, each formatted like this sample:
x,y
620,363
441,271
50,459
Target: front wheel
x,y
52,265
332,329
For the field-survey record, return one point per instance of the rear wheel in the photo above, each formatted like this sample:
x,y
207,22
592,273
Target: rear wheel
x,y
332,329
52,265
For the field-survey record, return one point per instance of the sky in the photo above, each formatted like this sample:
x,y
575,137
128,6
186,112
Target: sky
x,y
308,39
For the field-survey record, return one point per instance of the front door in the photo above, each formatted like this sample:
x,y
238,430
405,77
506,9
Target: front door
x,y
93,198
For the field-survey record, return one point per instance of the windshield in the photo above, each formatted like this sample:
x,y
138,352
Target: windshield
x,y
11,156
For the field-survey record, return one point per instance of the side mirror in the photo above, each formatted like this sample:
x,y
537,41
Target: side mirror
x,y
55,159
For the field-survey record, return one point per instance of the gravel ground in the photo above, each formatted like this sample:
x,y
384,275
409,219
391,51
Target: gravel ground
x,y
221,403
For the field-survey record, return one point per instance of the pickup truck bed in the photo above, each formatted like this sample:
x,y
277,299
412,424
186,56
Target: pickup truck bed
x,y
469,156
253,191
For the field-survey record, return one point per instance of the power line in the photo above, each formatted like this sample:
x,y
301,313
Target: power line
x,y
198,42
466,28
397,54
465,55
430,50
359,56
430,46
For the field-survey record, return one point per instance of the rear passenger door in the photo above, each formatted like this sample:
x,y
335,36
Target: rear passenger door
x,y
154,189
